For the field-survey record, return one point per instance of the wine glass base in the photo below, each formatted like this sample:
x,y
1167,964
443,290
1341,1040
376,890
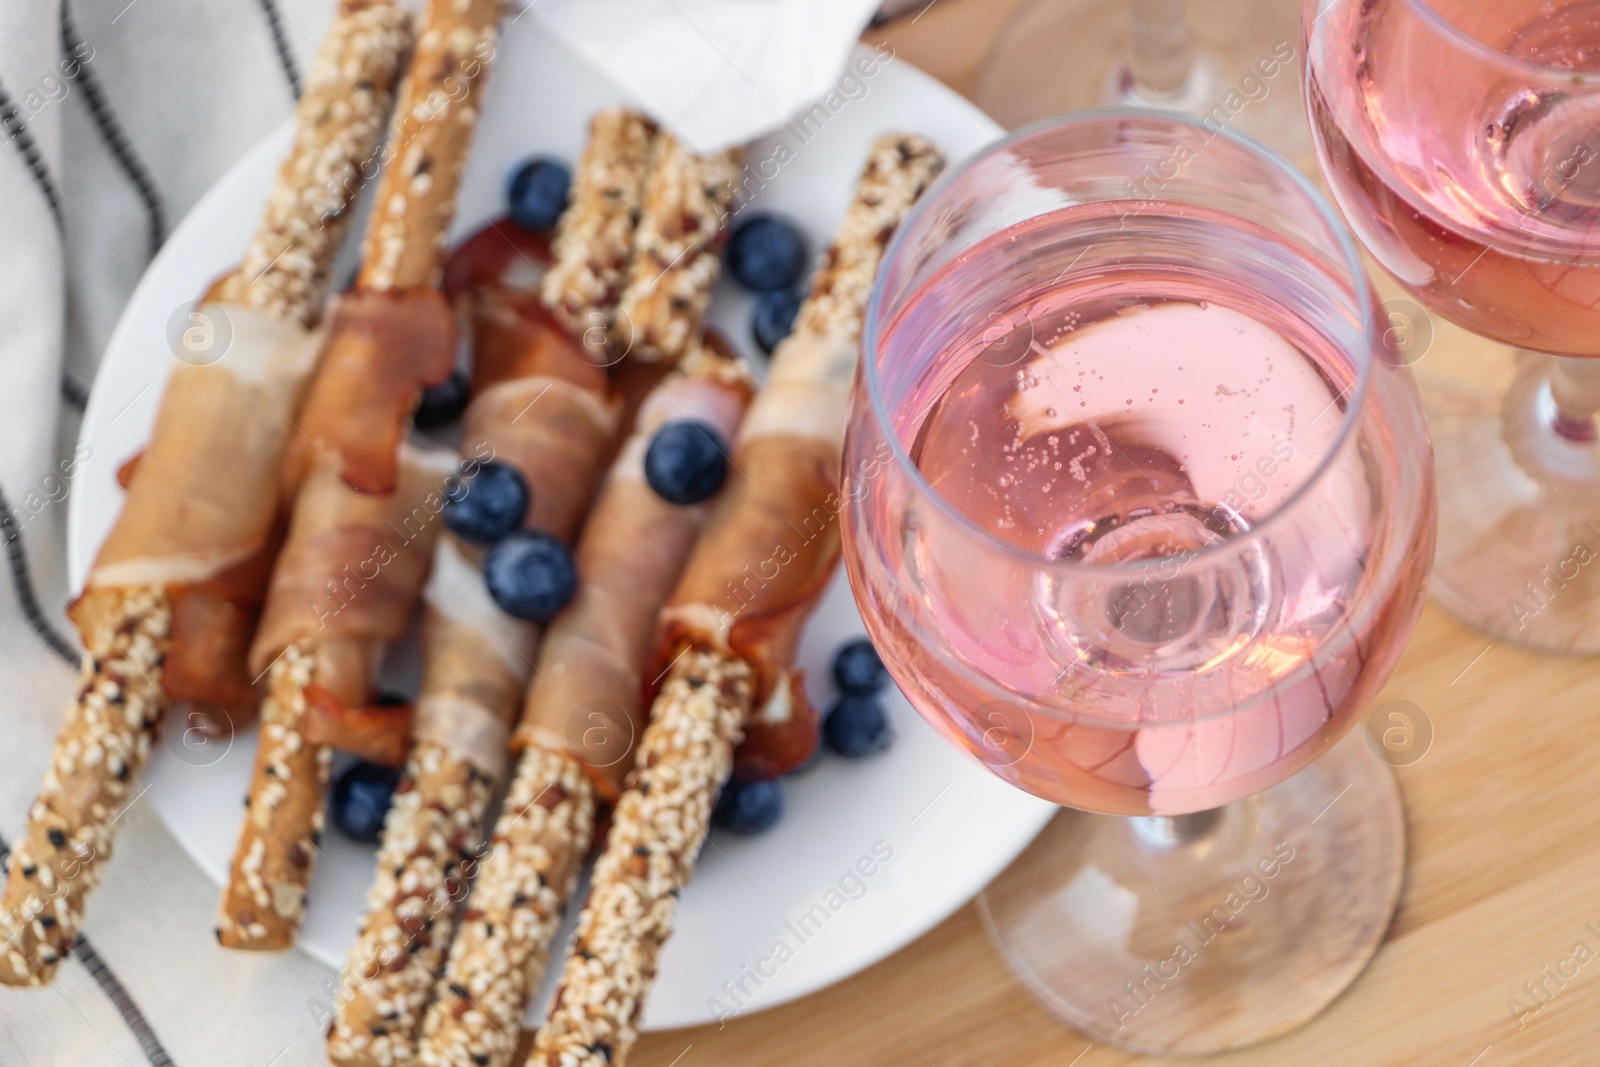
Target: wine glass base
x,y
1053,58
1519,515
1225,941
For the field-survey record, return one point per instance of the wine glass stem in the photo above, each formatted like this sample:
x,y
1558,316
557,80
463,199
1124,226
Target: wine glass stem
x,y
1575,387
1163,833
1162,53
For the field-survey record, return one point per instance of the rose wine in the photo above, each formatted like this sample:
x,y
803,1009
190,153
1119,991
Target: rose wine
x,y
1142,420
1477,187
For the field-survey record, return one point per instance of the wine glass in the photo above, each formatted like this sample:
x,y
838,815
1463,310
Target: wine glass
x,y
1462,140
1138,511
1233,61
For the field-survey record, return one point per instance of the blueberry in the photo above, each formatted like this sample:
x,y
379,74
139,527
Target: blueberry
x,y
687,462
747,808
538,192
530,575
773,317
766,253
360,800
444,403
489,506
857,668
857,726
388,698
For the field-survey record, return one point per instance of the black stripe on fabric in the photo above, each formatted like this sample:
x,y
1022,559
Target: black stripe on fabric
x,y
114,990
111,131
280,43
17,558
17,133
74,392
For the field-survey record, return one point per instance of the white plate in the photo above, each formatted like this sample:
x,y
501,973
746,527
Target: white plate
x,y
949,825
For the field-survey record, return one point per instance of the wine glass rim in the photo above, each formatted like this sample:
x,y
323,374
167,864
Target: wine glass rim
x,y
1465,41
1355,394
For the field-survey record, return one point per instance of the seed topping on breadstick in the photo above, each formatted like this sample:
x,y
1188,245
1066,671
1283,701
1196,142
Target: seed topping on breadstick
x,y
429,142
102,747
594,238
266,896
675,262
340,119
526,877
656,834
395,334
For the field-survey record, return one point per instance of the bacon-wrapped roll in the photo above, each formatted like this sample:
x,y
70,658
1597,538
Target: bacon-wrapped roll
x,y
349,574
394,335
584,709
716,676
543,406
170,604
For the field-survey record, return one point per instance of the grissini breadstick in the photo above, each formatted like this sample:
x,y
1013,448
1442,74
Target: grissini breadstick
x,y
543,405
583,710
723,649
345,585
202,502
394,333
594,237
476,660
675,262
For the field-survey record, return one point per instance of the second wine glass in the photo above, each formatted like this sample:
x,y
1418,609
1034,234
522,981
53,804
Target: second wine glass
x,y
1462,140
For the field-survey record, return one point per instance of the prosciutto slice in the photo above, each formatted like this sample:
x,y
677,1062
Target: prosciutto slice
x,y
515,337
559,435
587,696
384,347
202,522
544,408
195,509
758,570
353,563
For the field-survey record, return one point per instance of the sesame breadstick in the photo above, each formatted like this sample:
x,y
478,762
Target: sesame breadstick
x,y
429,142
391,336
528,873
394,334
265,896
543,407
102,746
594,237
476,662
789,448
582,713
340,117
675,262
656,833
345,585
203,497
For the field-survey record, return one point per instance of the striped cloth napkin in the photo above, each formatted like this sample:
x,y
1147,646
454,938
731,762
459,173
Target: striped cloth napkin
x,y
115,116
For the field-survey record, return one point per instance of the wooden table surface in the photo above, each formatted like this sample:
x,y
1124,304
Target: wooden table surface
x,y
1503,818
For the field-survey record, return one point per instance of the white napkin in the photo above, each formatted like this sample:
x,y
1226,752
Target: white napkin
x,y
715,72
